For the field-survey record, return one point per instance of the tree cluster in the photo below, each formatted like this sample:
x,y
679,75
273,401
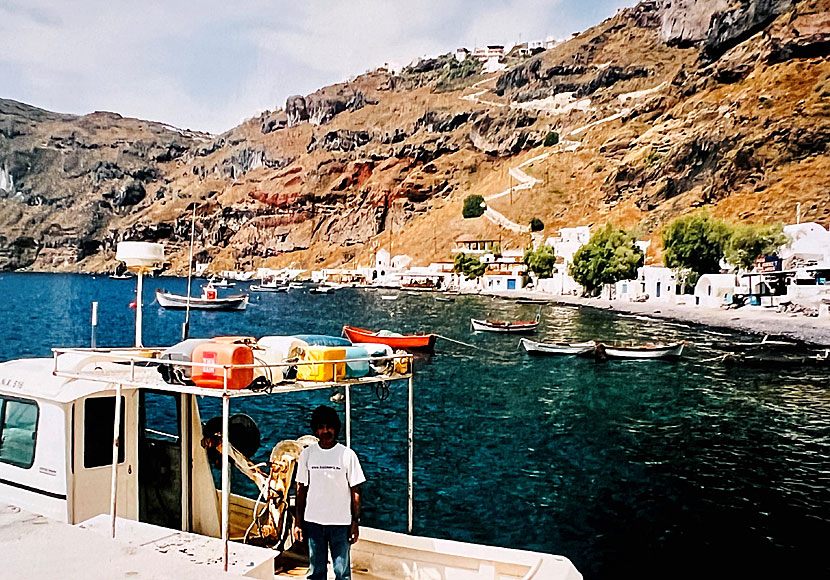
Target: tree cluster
x,y
469,266
609,256
698,243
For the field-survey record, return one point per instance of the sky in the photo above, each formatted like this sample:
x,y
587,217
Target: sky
x,y
210,64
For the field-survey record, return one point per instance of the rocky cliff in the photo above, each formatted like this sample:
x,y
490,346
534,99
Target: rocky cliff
x,y
665,107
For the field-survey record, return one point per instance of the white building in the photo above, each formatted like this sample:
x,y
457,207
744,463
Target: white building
x,y
491,57
712,290
569,241
810,245
653,283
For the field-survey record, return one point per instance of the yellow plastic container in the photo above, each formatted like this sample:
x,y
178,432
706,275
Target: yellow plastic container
x,y
322,372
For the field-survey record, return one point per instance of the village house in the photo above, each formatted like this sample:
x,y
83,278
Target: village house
x,y
505,272
564,247
653,283
475,245
491,57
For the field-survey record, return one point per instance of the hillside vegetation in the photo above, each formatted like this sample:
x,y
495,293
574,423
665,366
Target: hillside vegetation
x,y
662,109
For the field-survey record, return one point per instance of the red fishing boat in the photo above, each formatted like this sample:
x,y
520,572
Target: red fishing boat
x,y
394,340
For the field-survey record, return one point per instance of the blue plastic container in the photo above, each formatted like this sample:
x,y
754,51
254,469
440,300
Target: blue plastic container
x,y
323,340
357,368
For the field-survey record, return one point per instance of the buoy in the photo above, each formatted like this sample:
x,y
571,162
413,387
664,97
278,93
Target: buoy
x,y
132,304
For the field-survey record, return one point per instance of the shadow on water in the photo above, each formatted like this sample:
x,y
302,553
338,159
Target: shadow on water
x,y
650,469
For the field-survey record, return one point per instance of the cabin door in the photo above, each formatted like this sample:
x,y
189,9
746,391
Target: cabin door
x,y
160,459
92,457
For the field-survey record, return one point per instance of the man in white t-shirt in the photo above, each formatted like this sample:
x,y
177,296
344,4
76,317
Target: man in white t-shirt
x,y
328,498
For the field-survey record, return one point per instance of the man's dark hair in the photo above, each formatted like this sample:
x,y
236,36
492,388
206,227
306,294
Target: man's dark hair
x,y
324,415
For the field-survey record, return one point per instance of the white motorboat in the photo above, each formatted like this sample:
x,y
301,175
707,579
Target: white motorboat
x,y
566,348
270,284
220,283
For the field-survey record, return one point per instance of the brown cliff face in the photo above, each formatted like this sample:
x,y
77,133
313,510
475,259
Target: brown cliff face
x,y
659,110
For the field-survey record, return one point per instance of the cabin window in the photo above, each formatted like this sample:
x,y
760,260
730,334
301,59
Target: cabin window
x,y
18,432
99,416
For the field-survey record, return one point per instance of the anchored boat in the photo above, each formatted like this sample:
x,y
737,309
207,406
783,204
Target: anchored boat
x,y
644,351
517,327
405,341
209,300
565,348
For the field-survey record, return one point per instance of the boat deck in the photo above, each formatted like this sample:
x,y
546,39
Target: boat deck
x,y
37,547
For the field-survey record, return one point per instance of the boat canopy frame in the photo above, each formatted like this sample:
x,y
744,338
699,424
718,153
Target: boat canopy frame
x,y
142,358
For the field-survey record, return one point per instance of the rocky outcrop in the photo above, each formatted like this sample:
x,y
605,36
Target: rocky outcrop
x,y
321,107
342,140
504,135
686,22
738,22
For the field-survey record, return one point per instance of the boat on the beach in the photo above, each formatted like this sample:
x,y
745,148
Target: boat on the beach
x,y
405,341
641,351
209,300
517,327
564,348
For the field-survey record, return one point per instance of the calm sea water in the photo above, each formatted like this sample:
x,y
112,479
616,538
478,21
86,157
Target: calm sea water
x,y
654,469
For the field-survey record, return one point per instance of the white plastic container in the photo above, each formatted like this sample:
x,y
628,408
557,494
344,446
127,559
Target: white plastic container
x,y
273,350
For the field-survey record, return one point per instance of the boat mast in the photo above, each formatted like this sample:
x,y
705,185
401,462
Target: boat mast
x,y
186,325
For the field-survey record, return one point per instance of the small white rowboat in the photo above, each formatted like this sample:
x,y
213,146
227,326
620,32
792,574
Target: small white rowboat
x,y
566,348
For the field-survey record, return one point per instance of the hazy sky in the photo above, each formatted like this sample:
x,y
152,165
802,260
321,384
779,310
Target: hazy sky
x,y
210,64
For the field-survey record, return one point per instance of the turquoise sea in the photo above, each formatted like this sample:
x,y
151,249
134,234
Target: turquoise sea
x,y
653,469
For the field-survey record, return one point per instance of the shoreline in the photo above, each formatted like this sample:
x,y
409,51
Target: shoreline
x,y
751,319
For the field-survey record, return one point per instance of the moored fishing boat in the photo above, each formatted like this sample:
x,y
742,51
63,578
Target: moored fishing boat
x,y
564,348
517,327
643,351
209,300
404,341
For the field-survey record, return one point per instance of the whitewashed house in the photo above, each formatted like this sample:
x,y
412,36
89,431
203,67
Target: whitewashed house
x,y
653,283
809,246
564,246
504,273
712,290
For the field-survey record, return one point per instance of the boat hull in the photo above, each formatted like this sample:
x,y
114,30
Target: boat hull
x,y
513,327
544,348
673,350
177,302
425,342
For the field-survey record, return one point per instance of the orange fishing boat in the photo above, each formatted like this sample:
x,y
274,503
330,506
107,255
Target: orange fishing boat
x,y
394,340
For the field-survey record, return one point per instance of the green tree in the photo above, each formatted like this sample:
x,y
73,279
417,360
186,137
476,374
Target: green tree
x,y
541,261
536,225
473,206
609,256
551,139
747,242
469,266
696,242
